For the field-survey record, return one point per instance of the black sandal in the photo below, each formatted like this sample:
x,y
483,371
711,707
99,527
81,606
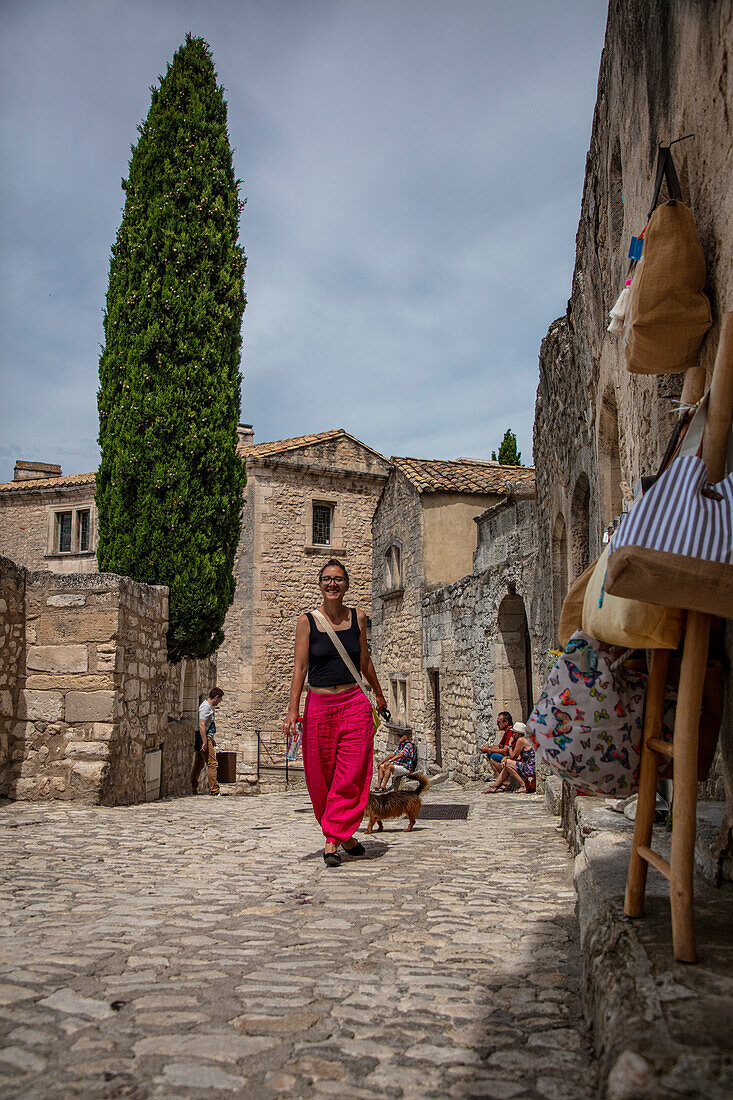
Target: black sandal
x,y
357,850
331,859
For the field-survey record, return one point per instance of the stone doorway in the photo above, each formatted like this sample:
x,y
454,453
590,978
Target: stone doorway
x,y
434,675
513,659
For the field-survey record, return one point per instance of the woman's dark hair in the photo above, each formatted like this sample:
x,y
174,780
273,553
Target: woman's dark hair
x,y
333,561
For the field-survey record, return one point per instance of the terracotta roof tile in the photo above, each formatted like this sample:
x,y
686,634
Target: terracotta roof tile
x,y
65,481
278,446
464,475
282,446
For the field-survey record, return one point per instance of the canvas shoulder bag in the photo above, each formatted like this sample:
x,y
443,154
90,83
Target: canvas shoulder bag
x,y
349,663
634,624
677,543
667,314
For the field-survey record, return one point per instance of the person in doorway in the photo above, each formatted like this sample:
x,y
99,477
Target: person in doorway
x,y
499,750
205,745
338,730
518,771
400,762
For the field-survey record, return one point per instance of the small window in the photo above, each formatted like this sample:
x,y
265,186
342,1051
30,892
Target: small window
x,y
322,514
62,538
394,567
83,529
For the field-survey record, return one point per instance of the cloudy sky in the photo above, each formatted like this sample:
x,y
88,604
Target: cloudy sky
x,y
413,172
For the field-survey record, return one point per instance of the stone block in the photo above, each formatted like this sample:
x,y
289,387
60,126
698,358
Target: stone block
x,y
67,599
26,789
57,658
43,706
86,776
69,681
69,625
87,749
103,731
108,657
90,706
553,794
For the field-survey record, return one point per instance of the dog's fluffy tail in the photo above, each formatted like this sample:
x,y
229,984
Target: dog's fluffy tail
x,y
422,780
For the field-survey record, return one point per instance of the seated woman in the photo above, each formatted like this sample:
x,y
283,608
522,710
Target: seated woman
x,y
496,752
519,765
400,762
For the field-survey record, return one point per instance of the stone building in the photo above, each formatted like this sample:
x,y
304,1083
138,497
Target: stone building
x,y
91,708
424,538
664,74
48,520
307,499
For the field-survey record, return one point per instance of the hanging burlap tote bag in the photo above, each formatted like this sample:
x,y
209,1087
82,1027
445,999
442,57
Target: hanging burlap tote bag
x,y
668,314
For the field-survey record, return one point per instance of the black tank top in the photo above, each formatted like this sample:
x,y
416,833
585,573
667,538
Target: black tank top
x,y
325,665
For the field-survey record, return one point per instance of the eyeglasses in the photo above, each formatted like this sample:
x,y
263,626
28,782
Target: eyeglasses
x,y
333,580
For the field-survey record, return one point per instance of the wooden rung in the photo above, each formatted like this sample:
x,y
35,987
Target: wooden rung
x,y
656,860
664,748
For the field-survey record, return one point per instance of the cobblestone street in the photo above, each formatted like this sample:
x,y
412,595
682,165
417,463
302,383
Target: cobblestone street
x,y
199,947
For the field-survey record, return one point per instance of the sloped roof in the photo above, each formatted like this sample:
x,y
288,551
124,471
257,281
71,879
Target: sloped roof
x,y
464,475
65,481
282,446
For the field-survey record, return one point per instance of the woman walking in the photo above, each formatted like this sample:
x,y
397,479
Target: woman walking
x,y
338,731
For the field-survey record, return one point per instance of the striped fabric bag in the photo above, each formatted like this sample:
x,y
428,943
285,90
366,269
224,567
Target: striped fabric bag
x,y
675,546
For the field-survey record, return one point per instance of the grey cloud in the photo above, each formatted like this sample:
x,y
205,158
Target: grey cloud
x,y
413,172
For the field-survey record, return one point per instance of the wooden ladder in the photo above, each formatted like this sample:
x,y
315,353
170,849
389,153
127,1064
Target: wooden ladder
x,y
683,749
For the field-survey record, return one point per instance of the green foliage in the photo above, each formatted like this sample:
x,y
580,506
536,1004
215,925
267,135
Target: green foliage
x,y
508,453
169,486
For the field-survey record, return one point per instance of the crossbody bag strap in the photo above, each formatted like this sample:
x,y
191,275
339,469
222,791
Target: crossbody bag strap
x,y
341,651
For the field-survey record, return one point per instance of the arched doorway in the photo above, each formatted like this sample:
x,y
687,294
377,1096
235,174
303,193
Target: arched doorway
x,y
559,566
513,659
580,527
609,459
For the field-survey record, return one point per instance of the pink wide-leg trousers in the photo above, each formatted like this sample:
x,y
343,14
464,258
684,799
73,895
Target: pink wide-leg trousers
x,y
338,741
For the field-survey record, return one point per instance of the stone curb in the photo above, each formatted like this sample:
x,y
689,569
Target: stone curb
x,y
624,988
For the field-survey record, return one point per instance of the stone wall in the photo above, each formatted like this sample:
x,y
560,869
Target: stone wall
x,y
664,74
474,634
396,640
26,523
277,569
91,689
12,653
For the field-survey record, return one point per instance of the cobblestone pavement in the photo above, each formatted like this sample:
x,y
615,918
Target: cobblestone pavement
x,y
199,947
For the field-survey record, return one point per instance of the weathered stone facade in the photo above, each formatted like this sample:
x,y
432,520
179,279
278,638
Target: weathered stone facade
x,y
431,640
277,566
29,528
664,74
90,692
480,636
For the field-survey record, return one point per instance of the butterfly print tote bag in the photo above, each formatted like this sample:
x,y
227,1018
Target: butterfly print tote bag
x,y
587,723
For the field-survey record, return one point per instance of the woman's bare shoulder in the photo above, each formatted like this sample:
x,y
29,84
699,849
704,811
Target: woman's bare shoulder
x,y
361,616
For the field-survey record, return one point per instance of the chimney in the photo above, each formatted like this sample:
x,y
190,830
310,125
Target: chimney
x,y
27,471
245,435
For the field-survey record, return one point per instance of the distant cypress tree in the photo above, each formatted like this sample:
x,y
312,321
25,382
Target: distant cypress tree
x,y
508,453
169,486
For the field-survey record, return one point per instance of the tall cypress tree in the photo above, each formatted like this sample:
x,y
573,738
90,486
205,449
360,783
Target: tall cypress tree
x,y
508,453
169,486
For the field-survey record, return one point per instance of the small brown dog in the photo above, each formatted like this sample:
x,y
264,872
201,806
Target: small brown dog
x,y
380,807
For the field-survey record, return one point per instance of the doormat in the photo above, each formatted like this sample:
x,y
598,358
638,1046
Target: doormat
x,y
444,811
434,811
